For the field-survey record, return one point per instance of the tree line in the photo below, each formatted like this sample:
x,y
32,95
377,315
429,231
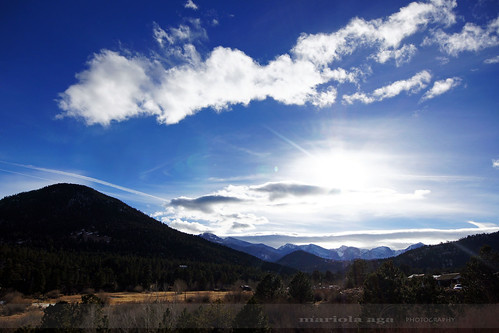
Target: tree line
x,y
33,270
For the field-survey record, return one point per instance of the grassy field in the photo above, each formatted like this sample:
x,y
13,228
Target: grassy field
x,y
23,311
149,297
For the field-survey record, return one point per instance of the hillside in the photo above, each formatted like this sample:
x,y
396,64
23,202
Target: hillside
x,y
78,217
450,256
308,262
80,225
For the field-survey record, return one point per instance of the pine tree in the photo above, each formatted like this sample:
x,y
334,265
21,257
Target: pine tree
x,y
300,288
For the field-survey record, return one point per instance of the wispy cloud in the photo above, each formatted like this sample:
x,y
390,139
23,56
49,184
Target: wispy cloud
x,y
441,87
495,164
472,38
395,238
401,55
411,85
494,60
203,203
118,86
281,190
84,178
183,35
191,5
385,35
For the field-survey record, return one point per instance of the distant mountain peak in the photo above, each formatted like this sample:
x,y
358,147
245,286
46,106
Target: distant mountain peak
x,y
415,246
343,253
211,237
288,246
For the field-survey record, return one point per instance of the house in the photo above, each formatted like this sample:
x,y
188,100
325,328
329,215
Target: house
x,y
246,288
415,276
448,280
443,280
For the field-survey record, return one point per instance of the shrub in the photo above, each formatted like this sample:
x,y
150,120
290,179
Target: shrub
x,y
14,303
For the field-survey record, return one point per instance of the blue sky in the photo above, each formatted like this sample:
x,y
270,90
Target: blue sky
x,y
357,123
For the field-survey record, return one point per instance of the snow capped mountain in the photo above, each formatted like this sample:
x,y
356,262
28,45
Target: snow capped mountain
x,y
320,251
212,238
414,246
343,253
287,249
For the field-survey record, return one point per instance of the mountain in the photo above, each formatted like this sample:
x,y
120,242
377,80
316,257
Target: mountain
x,y
345,253
77,222
76,216
308,262
260,251
413,246
450,256
380,252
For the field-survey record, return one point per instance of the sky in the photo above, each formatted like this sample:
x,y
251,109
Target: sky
x,y
361,123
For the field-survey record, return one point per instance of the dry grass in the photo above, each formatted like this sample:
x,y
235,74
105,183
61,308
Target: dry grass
x,y
31,317
19,311
15,303
146,297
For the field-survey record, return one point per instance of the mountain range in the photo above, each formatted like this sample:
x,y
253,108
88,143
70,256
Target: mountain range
x,y
70,237
343,253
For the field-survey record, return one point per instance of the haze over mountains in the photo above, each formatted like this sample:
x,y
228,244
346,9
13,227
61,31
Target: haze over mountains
x,y
343,253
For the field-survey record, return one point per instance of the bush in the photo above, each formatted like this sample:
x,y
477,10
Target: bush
x,y
14,303
53,293
251,318
237,297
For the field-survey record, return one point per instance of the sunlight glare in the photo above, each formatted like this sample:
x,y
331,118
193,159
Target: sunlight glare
x,y
341,170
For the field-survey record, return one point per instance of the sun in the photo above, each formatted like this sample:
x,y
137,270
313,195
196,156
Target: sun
x,y
343,170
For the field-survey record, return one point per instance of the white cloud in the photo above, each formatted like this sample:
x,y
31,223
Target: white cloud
x,y
471,38
113,88
188,227
494,60
191,5
411,85
441,87
325,98
178,43
401,56
116,87
483,225
386,35
273,208
495,164
294,204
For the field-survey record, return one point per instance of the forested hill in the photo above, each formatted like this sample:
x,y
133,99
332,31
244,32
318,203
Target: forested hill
x,y
90,232
450,256
308,262
67,216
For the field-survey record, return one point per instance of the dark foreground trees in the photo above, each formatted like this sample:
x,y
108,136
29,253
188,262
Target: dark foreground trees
x,y
300,288
384,286
481,278
270,289
251,318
